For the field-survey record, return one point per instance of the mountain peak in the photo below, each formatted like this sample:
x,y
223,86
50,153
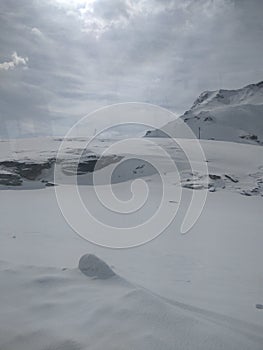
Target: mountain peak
x,y
249,94
227,115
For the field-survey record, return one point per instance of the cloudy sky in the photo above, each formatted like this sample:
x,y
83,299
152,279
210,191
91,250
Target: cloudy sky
x,y
61,59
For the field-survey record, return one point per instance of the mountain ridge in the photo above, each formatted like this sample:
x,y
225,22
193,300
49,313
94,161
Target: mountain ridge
x,y
225,115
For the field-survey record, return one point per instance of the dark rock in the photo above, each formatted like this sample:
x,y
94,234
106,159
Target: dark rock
x,y
214,177
148,133
10,180
140,166
193,186
50,184
249,137
156,133
246,193
231,178
92,266
27,170
93,163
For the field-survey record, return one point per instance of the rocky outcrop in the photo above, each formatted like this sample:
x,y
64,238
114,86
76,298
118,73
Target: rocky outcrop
x,y
12,172
9,179
27,170
89,165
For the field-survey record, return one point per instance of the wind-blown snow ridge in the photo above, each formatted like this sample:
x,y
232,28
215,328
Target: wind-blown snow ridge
x,y
58,309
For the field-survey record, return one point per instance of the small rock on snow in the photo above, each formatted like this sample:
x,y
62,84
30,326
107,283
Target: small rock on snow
x,y
92,266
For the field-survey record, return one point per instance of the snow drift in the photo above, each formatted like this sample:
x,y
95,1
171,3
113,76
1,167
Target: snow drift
x,y
49,308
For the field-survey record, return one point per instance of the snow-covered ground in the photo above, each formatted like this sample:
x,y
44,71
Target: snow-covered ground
x,y
192,291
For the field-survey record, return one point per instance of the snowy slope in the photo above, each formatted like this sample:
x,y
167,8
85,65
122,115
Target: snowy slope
x,y
201,290
227,115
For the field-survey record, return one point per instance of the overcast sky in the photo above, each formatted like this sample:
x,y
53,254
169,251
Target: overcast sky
x,y
60,59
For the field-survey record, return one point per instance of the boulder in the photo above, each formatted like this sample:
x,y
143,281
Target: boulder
x,y
92,266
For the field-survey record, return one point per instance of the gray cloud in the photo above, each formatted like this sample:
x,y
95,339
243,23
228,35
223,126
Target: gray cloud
x,y
86,54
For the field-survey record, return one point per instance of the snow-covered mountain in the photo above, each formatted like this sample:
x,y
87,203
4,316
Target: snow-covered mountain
x,y
226,115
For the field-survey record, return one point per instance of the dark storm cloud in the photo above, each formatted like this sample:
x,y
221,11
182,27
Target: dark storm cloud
x,y
61,59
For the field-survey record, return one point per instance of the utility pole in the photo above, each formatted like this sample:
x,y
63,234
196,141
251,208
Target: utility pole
x,y
199,132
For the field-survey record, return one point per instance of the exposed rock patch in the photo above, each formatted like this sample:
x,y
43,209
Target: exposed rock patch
x,y
92,266
10,179
27,170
